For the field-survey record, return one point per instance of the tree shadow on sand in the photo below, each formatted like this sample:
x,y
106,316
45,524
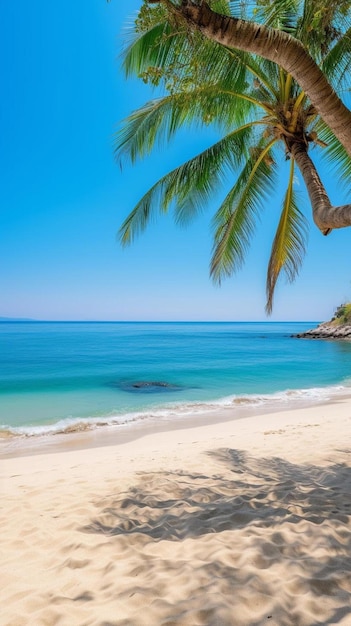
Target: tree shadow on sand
x,y
178,505
283,513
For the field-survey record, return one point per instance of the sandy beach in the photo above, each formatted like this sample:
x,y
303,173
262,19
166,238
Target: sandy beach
x,y
241,523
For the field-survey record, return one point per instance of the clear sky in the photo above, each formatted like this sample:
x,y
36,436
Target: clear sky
x,y
63,197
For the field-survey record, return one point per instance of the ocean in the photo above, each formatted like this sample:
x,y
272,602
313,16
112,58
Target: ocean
x,y
66,377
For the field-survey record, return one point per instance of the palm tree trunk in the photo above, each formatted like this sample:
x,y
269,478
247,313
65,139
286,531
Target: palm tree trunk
x,y
325,216
276,46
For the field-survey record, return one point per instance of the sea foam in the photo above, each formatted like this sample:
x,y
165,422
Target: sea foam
x,y
239,406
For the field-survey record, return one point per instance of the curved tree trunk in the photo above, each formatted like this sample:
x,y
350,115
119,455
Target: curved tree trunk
x,y
325,216
276,46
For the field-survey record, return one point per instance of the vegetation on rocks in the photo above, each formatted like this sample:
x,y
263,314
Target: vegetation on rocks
x,y
339,327
342,314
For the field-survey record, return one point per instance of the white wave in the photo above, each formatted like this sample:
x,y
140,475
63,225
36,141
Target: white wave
x,y
289,397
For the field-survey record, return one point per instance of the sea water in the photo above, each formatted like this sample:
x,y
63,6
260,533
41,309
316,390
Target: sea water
x,y
65,377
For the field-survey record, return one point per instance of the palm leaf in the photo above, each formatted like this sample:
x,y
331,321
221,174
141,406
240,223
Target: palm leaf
x,y
179,60
159,119
236,219
169,54
336,65
220,6
190,185
322,25
195,182
281,14
155,120
148,48
141,215
289,243
335,154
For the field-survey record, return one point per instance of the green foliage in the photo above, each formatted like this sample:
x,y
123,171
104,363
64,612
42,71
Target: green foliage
x,y
190,186
336,156
281,15
236,218
289,243
336,63
322,24
317,23
259,111
342,314
149,16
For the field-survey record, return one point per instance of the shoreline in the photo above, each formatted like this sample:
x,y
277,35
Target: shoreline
x,y
243,522
105,435
208,428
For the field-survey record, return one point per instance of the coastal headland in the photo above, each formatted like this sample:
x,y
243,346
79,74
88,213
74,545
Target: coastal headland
x,y
339,327
243,523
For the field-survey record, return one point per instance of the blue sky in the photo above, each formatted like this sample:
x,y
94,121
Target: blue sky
x,y
63,197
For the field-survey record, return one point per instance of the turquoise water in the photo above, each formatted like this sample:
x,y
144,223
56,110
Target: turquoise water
x,y
67,376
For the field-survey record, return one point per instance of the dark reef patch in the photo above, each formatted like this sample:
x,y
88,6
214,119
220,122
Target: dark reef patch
x,y
145,386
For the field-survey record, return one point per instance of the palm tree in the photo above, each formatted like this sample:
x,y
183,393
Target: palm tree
x,y
274,45
280,47
264,116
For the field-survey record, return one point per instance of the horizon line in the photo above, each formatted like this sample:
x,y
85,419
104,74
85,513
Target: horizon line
x,y
97,321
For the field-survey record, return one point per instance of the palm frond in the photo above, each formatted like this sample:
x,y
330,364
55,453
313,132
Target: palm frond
x,y
220,6
181,61
195,182
142,213
191,185
270,71
335,154
289,243
246,10
281,14
236,219
215,64
322,25
165,53
336,65
159,119
147,48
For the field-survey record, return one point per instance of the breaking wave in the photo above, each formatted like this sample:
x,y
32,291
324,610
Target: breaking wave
x,y
239,406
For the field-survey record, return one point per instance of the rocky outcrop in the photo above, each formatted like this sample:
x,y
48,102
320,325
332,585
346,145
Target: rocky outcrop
x,y
339,327
327,330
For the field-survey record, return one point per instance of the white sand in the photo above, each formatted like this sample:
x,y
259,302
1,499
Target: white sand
x,y
243,523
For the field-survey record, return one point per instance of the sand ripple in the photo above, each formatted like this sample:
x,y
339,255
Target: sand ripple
x,y
260,541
